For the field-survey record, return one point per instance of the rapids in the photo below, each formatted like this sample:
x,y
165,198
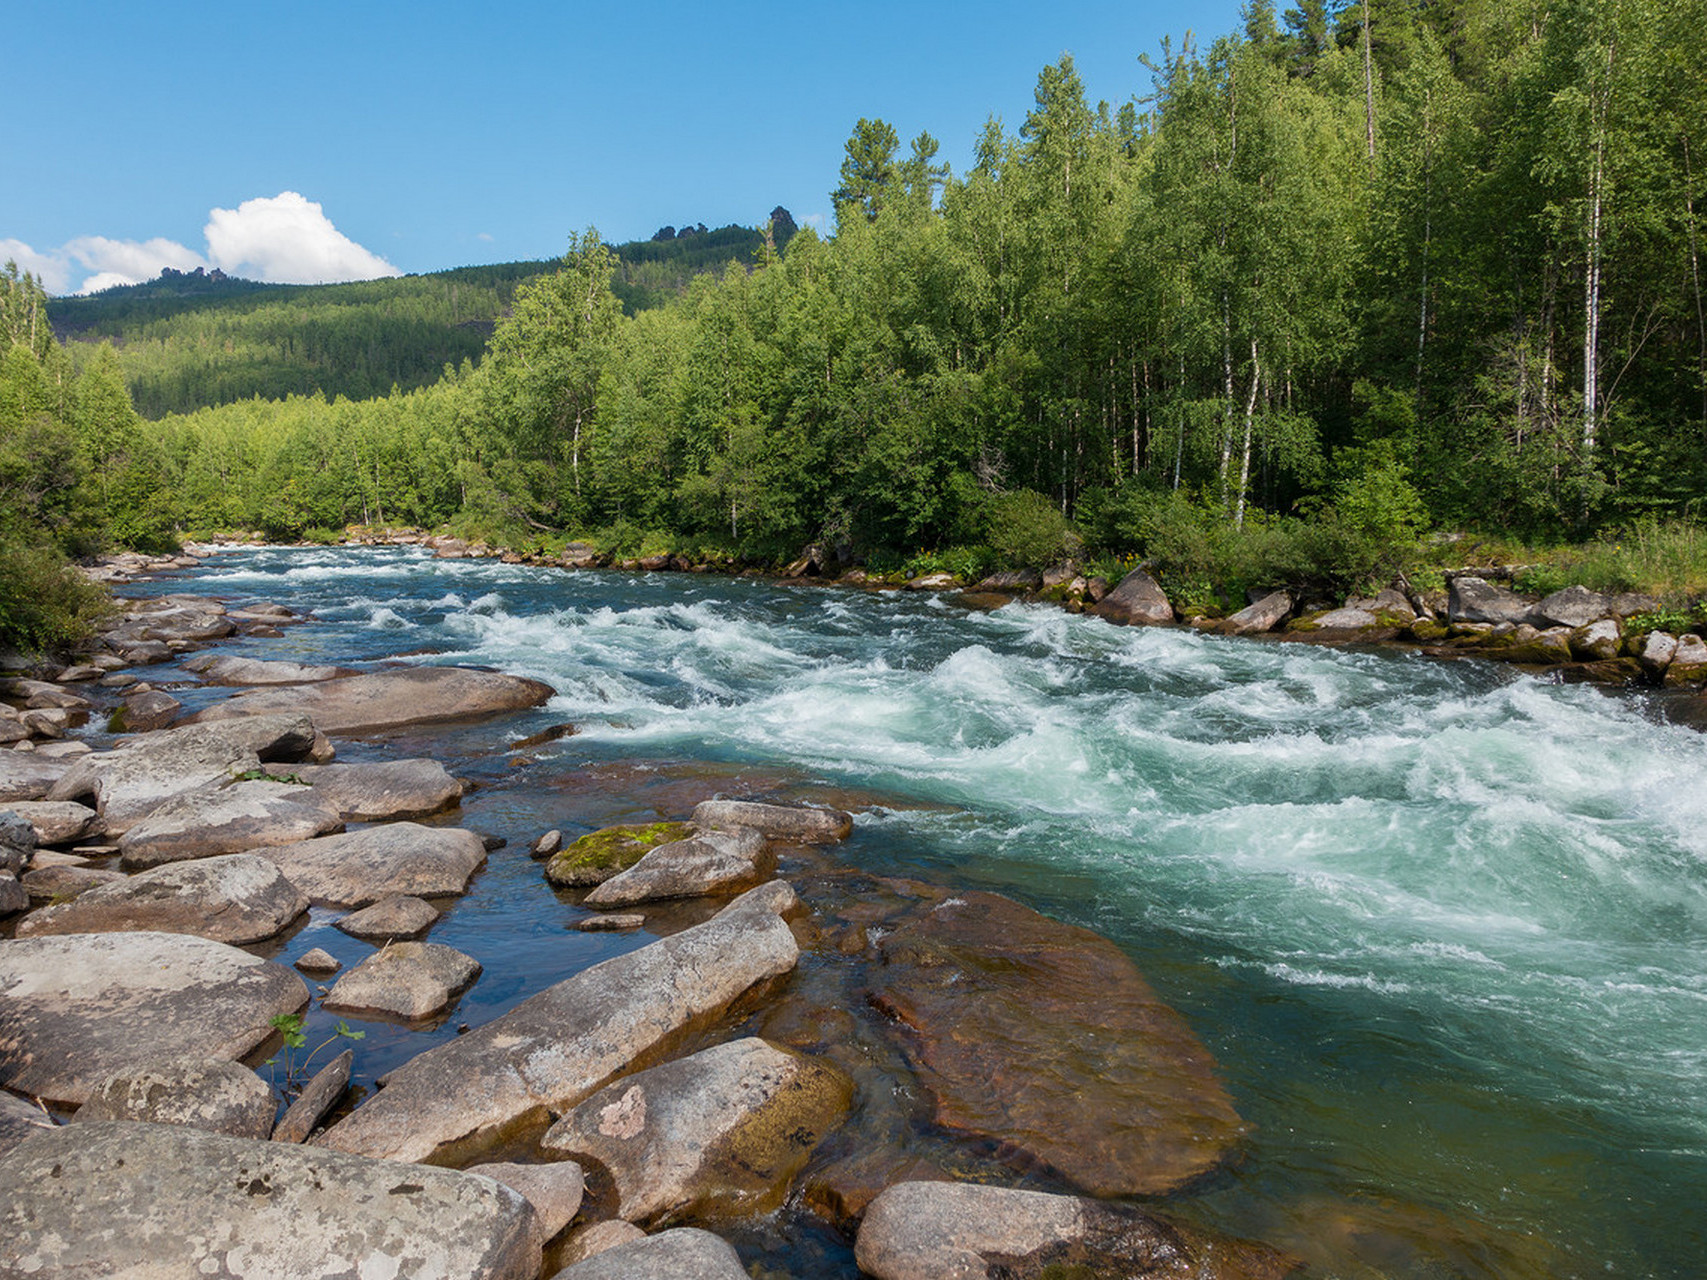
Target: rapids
x,y
1444,925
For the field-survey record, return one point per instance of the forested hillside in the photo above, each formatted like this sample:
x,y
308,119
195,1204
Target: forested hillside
x,y
188,339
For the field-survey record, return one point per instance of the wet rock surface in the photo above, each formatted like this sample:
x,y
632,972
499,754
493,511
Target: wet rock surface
x,y
1044,1037
167,1200
77,1009
720,1133
238,898
555,1048
774,821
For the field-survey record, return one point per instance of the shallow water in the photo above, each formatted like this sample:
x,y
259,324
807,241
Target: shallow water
x,y
1445,927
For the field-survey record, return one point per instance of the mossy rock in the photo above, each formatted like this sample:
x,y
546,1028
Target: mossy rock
x,y
597,857
1426,631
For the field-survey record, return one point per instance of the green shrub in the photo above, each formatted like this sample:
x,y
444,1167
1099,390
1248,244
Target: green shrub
x,y
1026,530
45,604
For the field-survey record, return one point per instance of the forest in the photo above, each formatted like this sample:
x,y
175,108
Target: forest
x,y
1322,286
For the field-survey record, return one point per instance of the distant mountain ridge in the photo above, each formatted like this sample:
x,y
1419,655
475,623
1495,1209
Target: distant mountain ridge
x,y
191,339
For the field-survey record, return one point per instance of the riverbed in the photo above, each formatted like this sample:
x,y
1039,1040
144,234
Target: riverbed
x,y
1443,925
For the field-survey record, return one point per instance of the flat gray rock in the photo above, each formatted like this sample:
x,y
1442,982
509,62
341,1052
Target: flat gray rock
x,y
399,916
1573,607
405,980
360,867
224,669
1347,619
1471,599
246,815
711,862
237,898
721,1133
170,1201
212,1094
685,1253
129,783
77,1009
964,1231
384,791
556,1048
390,699
1137,601
19,1119
774,821
1265,615
56,821
25,775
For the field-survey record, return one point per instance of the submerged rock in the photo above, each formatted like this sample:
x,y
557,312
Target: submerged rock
x,y
389,699
1138,600
597,857
712,862
556,1048
166,1200
77,1009
721,1133
360,867
238,898
961,1231
1044,1036
211,1094
317,1098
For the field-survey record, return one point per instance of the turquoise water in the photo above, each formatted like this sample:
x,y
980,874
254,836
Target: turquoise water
x,y
1445,927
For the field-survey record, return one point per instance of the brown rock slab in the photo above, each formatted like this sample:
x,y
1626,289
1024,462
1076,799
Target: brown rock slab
x,y
129,783
556,1048
359,867
19,1119
596,1238
148,1200
212,1094
77,1009
146,711
390,699
1043,1036
233,819
238,898
555,1190
224,669
1265,615
318,961
614,923
721,1133
26,776
684,1253
963,1231
56,821
405,980
399,916
44,884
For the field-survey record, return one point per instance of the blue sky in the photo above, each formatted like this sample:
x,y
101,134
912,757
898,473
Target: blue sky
x,y
434,135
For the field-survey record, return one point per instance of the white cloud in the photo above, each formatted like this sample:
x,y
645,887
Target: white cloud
x,y
814,220
485,236
287,239
282,239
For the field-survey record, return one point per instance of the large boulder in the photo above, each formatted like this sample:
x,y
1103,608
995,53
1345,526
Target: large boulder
x,y
556,1048
1598,641
1264,615
238,898
28,775
17,841
1044,1037
383,791
405,980
390,699
1472,599
1138,600
684,1253
774,821
56,821
1688,664
360,867
210,1093
600,855
77,1009
225,669
964,1231
145,711
721,1133
20,1119
149,1200
13,896
1573,607
246,815
555,1190
129,783
712,862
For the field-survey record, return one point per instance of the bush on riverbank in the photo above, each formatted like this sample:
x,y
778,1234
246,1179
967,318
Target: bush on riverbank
x,y
46,605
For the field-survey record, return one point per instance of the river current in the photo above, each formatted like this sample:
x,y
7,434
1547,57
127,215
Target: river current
x,y
1444,926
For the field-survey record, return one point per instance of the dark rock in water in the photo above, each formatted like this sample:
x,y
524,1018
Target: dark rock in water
x,y
77,1009
13,896
399,916
317,1098
1138,600
1044,1036
17,840
1598,641
405,980
211,1094
364,866
712,862
721,1133
556,1048
961,1231
318,962
684,1253
1470,599
595,858
617,923
146,711
237,899
114,1199
775,821
389,699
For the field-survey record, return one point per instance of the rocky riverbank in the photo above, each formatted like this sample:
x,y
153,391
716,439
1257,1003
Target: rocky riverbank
x,y
884,1054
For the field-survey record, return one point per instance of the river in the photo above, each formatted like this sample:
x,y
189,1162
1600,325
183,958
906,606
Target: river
x,y
1443,925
